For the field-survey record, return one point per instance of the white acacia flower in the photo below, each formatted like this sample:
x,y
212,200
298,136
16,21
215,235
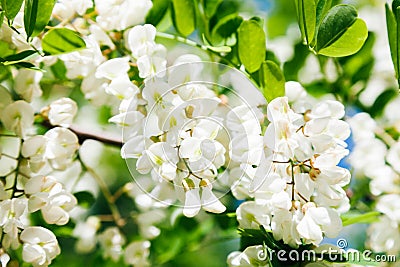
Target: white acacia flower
x,y
11,220
61,147
316,221
141,40
48,195
161,156
200,196
251,256
122,87
18,117
62,111
121,14
66,9
27,84
113,68
85,232
111,241
150,65
137,253
384,236
250,215
296,164
40,246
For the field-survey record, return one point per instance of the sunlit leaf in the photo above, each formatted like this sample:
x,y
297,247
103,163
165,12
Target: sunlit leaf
x,y
11,8
352,218
61,40
37,14
184,16
306,13
157,12
341,33
251,40
272,80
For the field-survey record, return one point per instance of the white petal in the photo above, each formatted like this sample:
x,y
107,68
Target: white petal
x,y
192,203
210,202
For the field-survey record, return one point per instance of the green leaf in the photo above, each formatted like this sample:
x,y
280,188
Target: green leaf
x,y
184,16
353,64
59,70
210,7
323,7
352,218
19,56
11,8
306,14
36,15
272,80
85,199
26,65
61,40
395,6
157,12
225,28
251,41
350,42
292,67
335,23
341,33
392,36
381,101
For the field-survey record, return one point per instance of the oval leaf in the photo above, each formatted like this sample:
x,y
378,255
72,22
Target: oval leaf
x,y
306,13
251,44
392,36
85,199
272,80
20,56
183,16
350,42
335,24
61,40
157,12
37,14
11,8
225,27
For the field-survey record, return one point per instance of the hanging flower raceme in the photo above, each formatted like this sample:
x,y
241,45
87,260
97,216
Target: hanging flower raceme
x,y
297,187
180,137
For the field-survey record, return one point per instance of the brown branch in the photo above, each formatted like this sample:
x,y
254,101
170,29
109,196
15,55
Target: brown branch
x,y
83,135
102,137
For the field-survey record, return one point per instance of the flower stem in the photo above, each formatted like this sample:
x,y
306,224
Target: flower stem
x,y
119,221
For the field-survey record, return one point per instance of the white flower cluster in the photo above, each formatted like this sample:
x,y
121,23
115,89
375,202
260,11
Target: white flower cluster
x,y
179,138
26,187
296,186
372,158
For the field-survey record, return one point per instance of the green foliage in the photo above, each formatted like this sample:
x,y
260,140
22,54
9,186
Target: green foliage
x,y
251,45
272,80
184,16
380,102
158,11
61,40
85,199
210,7
393,30
357,217
36,16
306,14
341,33
11,8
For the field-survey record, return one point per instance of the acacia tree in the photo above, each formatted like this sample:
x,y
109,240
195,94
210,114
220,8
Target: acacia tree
x,y
233,140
